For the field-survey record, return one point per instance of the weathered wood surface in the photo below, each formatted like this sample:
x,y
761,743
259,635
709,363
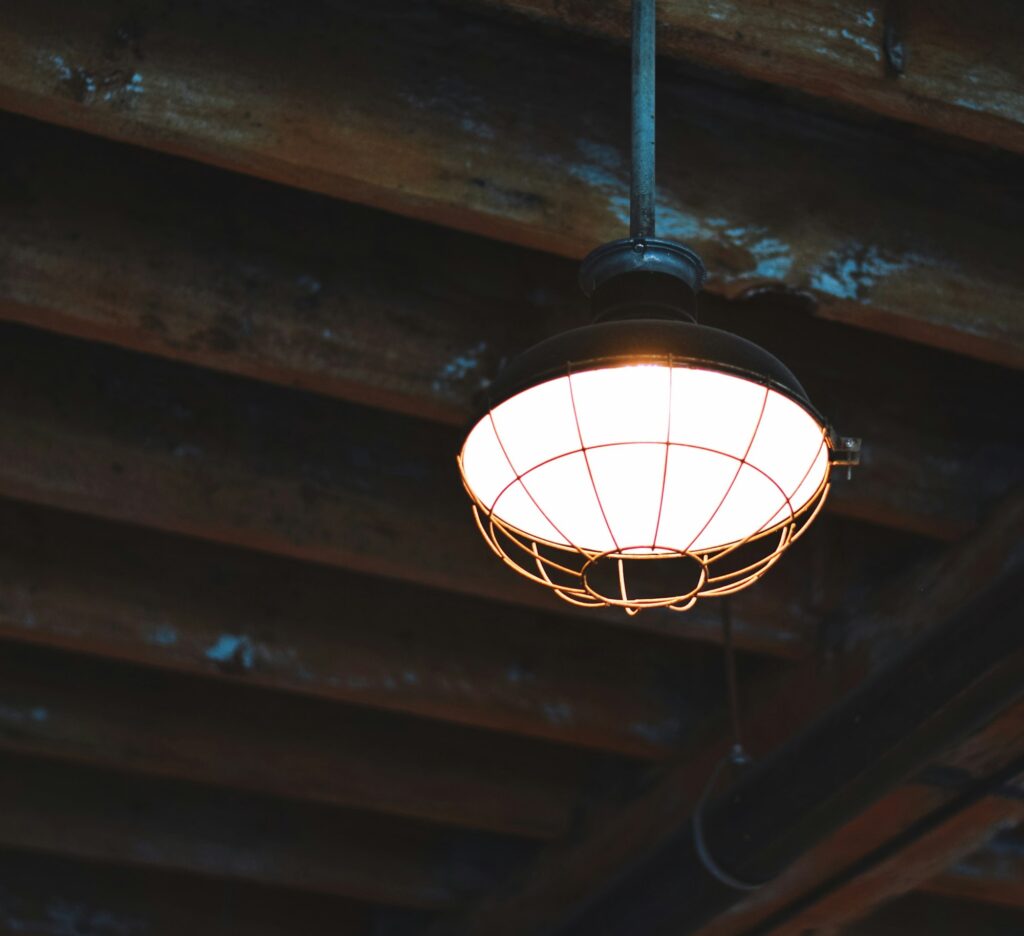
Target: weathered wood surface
x,y
241,276
953,803
127,718
871,830
891,849
937,916
42,895
93,815
563,880
116,244
904,869
360,102
111,590
993,874
939,64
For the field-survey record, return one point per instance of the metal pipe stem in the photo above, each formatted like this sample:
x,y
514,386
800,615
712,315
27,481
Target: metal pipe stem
x,y
641,193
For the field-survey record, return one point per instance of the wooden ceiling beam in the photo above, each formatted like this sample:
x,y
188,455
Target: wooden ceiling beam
x,y
859,645
899,841
115,591
114,716
43,894
527,144
923,63
229,273
994,874
153,254
929,915
903,838
911,848
147,823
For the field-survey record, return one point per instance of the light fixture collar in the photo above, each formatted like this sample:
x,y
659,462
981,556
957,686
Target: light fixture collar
x,y
641,255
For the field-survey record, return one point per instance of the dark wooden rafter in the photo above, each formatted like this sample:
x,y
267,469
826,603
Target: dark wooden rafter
x,y
157,255
42,894
935,64
893,845
936,916
898,868
564,882
130,821
993,874
96,713
241,276
357,102
111,590
901,841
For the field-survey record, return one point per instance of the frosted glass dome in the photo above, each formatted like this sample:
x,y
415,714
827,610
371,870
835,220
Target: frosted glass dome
x,y
646,459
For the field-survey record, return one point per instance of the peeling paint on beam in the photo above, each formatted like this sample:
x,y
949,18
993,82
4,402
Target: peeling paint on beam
x,y
375,116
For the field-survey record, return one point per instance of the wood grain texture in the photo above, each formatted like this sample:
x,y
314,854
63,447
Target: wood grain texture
x,y
42,895
994,874
906,868
132,821
940,65
938,916
925,823
116,244
359,102
97,713
895,846
115,591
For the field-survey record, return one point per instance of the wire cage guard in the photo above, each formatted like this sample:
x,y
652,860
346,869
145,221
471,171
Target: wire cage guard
x,y
618,576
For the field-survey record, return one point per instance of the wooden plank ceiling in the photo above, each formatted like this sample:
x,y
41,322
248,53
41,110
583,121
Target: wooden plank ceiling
x,y
259,675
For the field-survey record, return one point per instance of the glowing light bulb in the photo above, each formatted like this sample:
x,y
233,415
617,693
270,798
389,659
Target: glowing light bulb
x,y
645,459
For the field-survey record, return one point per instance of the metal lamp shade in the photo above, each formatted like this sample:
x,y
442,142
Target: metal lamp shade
x,y
625,448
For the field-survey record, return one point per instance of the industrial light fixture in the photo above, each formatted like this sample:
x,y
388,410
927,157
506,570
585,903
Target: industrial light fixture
x,y
645,460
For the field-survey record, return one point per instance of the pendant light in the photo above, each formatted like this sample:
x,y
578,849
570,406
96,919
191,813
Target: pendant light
x,y
645,460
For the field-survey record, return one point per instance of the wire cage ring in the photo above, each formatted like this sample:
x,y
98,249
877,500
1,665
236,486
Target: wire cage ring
x,y
567,570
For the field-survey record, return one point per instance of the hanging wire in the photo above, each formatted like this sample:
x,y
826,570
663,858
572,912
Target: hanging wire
x,y
737,757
